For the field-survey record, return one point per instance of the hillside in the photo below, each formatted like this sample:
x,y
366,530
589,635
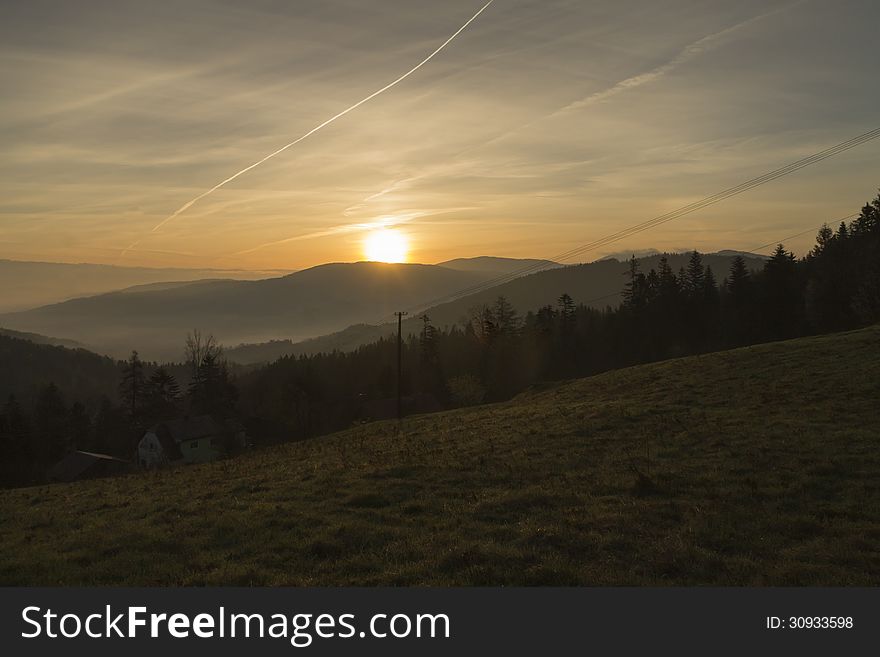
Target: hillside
x,y
595,284
757,466
30,284
27,366
155,320
36,338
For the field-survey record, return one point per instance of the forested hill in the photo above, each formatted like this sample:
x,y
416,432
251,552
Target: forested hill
x,y
27,367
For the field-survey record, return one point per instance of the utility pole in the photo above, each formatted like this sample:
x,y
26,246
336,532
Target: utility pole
x,y
400,316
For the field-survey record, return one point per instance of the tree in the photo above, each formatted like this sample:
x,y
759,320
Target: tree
x,y
668,285
431,374
738,307
113,434
162,395
694,278
163,387
198,347
131,388
50,425
635,296
739,281
782,302
823,239
506,318
211,390
566,307
545,320
15,443
80,426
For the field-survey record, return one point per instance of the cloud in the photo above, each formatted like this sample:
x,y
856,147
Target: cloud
x,y
685,55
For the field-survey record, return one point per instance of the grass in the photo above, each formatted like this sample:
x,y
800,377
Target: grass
x,y
759,466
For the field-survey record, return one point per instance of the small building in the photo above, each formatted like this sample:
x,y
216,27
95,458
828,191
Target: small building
x,y
196,439
87,465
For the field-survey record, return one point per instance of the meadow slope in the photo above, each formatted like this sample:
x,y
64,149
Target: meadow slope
x,y
759,466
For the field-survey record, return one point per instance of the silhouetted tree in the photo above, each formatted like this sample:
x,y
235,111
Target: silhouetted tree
x,y
50,425
782,305
132,386
211,390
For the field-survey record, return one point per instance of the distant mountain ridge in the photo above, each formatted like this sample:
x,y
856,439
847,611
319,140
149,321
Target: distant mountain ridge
x,y
155,319
495,265
596,284
333,306
28,284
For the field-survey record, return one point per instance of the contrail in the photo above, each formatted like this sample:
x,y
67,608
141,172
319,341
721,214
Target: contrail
x,y
189,204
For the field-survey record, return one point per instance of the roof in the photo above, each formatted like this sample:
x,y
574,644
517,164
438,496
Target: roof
x,y
77,464
100,456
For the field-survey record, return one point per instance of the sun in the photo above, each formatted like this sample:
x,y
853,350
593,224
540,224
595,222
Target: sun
x,y
386,245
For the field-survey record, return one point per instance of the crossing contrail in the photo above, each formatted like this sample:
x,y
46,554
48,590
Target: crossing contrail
x,y
189,204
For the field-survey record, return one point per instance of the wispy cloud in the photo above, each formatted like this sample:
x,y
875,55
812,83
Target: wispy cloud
x,y
318,127
554,122
685,55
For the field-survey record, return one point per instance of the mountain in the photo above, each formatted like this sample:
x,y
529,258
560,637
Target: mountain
x,y
155,320
708,470
596,284
499,266
745,254
31,284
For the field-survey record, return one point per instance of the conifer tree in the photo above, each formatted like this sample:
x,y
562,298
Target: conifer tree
x,y
132,386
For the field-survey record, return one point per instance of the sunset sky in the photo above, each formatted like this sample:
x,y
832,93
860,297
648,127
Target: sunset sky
x,y
544,125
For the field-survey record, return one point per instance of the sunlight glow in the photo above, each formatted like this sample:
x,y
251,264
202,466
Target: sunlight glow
x,y
386,245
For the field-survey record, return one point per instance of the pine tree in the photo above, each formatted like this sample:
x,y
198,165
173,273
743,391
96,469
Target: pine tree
x,y
16,444
50,425
635,289
131,388
506,317
162,387
211,390
694,279
782,302
428,341
823,239
566,311
668,285
112,432
739,281
80,427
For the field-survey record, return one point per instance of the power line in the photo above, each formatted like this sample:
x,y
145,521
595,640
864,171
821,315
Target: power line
x,y
667,217
803,232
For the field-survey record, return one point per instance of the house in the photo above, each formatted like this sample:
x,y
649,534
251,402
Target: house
x,y
87,465
188,440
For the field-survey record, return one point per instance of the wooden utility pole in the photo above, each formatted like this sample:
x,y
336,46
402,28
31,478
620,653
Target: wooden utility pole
x,y
400,316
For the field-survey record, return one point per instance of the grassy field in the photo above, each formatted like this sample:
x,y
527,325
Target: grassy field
x,y
757,466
